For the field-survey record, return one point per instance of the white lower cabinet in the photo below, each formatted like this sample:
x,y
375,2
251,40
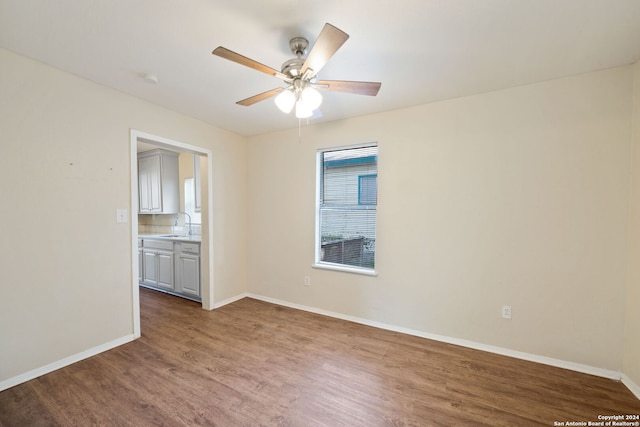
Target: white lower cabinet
x,y
158,262
165,270
171,266
188,268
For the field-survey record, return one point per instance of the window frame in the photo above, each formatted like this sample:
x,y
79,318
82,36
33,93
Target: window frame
x,y
318,238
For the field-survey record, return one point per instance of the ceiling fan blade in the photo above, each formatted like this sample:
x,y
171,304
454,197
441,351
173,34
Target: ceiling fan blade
x,y
247,62
359,88
260,97
327,44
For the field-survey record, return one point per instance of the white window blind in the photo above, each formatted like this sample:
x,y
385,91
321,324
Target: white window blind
x,y
348,197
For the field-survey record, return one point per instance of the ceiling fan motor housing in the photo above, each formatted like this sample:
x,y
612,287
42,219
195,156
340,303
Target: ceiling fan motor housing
x,y
298,46
292,67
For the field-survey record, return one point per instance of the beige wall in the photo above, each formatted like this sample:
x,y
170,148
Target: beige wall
x,y
515,197
65,275
632,331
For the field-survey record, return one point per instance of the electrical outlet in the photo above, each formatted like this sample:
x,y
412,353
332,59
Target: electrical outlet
x,y
506,311
121,215
307,281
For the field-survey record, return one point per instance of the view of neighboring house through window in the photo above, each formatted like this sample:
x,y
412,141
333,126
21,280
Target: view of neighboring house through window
x,y
190,201
348,197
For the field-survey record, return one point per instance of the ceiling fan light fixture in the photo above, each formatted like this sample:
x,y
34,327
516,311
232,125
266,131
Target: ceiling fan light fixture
x,y
302,110
311,98
285,101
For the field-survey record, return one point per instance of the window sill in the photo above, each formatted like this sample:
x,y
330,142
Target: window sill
x,y
345,269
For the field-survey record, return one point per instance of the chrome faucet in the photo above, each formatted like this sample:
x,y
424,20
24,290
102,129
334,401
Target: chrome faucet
x,y
186,215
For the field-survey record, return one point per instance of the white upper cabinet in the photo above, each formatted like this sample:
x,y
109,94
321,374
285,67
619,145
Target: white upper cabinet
x,y
158,184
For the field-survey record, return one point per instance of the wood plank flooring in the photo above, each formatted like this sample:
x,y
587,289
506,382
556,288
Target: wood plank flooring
x,y
253,363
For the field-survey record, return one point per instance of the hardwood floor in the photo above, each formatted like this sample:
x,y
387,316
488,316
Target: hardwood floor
x,y
254,363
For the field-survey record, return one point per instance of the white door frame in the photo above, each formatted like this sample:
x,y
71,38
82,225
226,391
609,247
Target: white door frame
x,y
207,240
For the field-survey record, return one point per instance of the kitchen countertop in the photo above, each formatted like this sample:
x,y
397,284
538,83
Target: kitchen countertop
x,y
174,237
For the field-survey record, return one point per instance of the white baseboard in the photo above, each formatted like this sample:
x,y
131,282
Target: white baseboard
x,y
230,300
635,388
614,375
64,362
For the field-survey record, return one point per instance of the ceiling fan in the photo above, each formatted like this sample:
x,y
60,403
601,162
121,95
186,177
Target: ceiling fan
x,y
300,74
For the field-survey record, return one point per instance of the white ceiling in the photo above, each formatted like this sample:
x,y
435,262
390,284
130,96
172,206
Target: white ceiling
x,y
421,50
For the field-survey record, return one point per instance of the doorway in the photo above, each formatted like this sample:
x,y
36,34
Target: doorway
x,y
139,139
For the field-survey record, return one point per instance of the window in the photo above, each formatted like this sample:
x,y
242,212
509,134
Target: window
x,y
190,201
347,201
367,189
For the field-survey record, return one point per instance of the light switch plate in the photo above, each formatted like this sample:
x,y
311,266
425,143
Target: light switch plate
x,y
506,312
121,215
